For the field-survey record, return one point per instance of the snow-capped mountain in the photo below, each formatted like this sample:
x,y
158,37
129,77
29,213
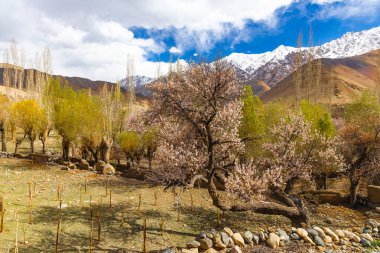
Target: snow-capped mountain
x,y
139,82
271,67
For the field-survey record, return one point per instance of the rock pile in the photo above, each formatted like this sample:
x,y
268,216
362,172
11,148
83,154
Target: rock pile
x,y
5,155
320,239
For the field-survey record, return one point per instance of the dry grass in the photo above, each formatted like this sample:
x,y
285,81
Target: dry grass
x,y
128,234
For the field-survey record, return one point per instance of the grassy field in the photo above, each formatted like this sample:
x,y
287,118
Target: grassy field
x,y
121,224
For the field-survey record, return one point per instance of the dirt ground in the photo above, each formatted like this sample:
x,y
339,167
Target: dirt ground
x,y
121,223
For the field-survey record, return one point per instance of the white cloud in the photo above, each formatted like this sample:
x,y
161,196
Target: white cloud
x,y
175,50
91,38
367,9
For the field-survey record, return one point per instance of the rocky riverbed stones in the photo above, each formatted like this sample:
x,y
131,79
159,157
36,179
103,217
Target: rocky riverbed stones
x,y
318,239
273,241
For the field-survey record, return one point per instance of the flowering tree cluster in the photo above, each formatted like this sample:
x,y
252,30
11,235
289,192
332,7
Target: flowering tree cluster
x,y
199,116
295,152
361,140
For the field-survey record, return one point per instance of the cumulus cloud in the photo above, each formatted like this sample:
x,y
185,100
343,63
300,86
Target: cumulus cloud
x,y
91,38
175,50
367,9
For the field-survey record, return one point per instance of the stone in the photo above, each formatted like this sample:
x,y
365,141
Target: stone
x,y
312,232
365,243
108,169
373,193
351,236
236,249
71,166
307,239
302,232
218,244
294,236
193,244
320,231
340,233
273,241
202,235
248,236
238,239
377,209
83,165
211,250
283,235
256,239
228,231
327,239
225,238
209,235
262,236
170,250
318,241
322,249
331,233
371,223
206,243
99,166
368,237
192,250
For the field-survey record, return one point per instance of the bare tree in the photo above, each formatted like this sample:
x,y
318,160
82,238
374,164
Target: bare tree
x,y
297,77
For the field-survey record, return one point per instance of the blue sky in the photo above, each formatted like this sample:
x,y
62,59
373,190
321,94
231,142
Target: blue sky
x,y
94,39
261,37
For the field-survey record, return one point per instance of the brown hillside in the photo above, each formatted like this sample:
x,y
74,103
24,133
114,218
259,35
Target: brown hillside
x,y
349,75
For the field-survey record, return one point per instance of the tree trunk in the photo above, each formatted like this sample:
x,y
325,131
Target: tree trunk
x,y
324,181
289,184
65,149
32,146
43,141
354,187
3,141
18,143
105,150
297,213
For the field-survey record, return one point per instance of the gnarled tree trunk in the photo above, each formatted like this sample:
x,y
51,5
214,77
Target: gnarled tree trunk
x,y
3,141
32,146
294,208
354,187
105,149
65,149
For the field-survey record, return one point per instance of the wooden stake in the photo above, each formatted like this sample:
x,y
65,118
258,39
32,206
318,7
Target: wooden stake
x,y
178,211
91,229
155,198
139,203
99,221
24,230
2,212
58,192
144,236
162,227
191,201
2,220
110,199
122,219
80,196
58,226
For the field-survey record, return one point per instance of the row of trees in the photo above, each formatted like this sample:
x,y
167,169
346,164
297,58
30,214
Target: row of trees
x,y
202,126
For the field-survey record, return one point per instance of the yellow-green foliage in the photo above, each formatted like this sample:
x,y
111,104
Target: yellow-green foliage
x,y
257,120
130,143
4,110
319,118
149,139
29,116
363,112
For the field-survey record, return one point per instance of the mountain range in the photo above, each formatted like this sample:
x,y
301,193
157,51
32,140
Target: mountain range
x,y
270,74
